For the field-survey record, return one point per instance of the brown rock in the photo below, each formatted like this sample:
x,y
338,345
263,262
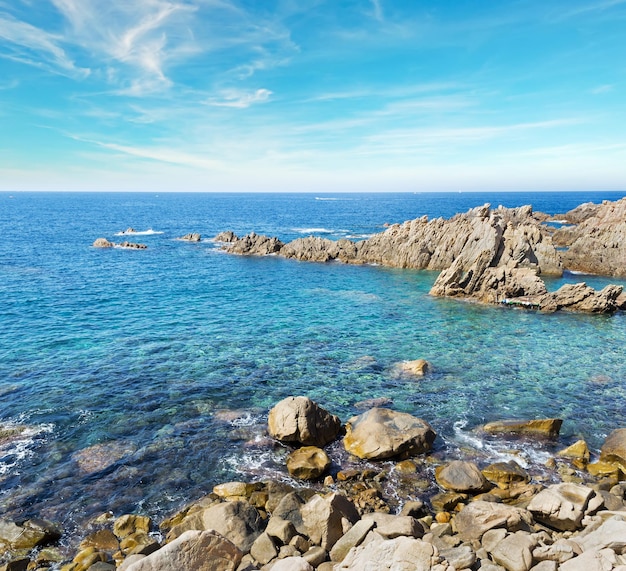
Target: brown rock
x,y
460,476
578,452
544,426
308,463
417,368
613,450
130,523
324,518
478,517
382,433
505,473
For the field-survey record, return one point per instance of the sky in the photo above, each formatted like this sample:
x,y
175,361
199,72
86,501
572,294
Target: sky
x,y
312,95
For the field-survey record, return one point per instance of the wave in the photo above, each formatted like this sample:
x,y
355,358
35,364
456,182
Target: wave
x,y
19,446
131,232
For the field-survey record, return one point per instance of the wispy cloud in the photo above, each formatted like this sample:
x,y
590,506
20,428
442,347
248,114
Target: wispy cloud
x,y
240,99
602,89
378,10
29,44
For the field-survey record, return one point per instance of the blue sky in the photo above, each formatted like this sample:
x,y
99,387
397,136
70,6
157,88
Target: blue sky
x,y
312,95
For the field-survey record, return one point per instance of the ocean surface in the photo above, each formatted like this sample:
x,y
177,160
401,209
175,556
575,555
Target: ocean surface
x,y
135,380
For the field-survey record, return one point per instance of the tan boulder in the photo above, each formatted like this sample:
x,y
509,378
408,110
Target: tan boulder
x,y
416,368
193,551
479,516
299,419
383,433
235,490
578,453
239,522
515,551
401,553
561,506
544,426
308,463
460,476
103,243
613,450
328,518
128,524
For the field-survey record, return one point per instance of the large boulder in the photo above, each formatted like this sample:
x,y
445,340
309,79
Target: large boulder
x,y
613,450
541,426
399,554
611,534
505,473
460,476
515,551
193,551
480,516
327,518
299,419
561,506
383,433
308,463
237,521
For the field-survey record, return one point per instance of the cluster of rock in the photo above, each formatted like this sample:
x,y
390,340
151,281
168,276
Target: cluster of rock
x,y
596,244
104,243
489,255
493,519
191,237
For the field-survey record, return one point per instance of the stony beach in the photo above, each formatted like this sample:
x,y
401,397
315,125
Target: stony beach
x,y
494,517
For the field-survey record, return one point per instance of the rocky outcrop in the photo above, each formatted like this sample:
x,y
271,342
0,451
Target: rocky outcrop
x,y
597,244
300,420
104,243
488,255
191,237
383,433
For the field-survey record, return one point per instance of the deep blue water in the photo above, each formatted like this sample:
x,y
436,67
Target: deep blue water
x,y
145,377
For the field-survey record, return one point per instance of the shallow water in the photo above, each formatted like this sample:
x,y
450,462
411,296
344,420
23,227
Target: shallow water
x,y
145,377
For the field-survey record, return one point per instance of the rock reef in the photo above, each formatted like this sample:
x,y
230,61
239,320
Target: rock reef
x,y
487,255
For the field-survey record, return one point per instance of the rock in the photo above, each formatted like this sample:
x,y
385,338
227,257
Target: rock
x,y
263,549
417,368
292,564
192,237
505,473
315,556
355,536
281,530
374,402
399,554
308,463
579,452
16,564
325,518
611,534
597,243
30,534
193,551
129,524
132,245
460,476
613,449
544,426
479,516
102,456
462,557
560,551
103,243
391,526
235,490
252,244
139,543
237,521
103,540
514,552
447,501
561,506
545,566
383,433
580,297
299,419
603,560
289,508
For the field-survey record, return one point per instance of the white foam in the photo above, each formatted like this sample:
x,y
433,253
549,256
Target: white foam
x,y
19,448
247,420
148,232
316,231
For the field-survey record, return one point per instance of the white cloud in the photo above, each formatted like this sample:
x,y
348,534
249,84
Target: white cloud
x,y
378,10
240,99
602,89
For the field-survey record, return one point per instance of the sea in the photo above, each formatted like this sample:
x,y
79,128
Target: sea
x,y
133,381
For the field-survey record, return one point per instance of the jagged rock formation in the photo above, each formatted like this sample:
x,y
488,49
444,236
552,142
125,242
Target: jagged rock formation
x,y
104,243
488,255
597,244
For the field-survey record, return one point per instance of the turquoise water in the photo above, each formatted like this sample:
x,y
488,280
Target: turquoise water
x,y
145,377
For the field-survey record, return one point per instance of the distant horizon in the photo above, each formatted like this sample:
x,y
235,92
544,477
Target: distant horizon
x,y
360,96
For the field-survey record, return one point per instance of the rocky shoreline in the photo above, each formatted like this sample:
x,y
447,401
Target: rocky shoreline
x,y
495,256
497,516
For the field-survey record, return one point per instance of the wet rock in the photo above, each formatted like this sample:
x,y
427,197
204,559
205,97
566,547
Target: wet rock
x,y
16,564
299,419
578,452
102,456
561,506
129,524
193,551
308,463
543,426
383,433
327,518
235,490
460,476
613,449
447,501
479,516
505,473
416,368
102,540
401,553
30,534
